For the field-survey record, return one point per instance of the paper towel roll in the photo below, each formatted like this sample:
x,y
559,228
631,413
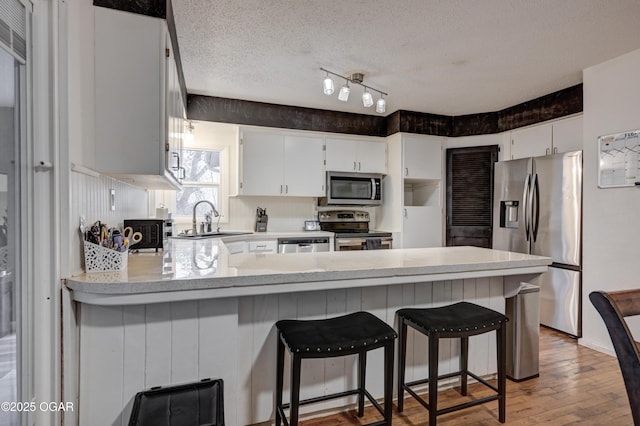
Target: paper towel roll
x,y
162,212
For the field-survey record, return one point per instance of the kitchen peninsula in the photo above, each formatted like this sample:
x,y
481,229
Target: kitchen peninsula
x,y
196,311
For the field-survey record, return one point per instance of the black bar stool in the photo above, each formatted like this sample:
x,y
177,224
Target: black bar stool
x,y
459,320
355,333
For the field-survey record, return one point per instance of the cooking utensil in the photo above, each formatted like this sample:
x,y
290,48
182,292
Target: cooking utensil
x,y
132,237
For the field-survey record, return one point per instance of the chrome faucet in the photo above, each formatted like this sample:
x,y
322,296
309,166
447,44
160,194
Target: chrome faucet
x,y
195,223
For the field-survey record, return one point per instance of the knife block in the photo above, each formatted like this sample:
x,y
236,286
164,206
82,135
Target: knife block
x,y
261,223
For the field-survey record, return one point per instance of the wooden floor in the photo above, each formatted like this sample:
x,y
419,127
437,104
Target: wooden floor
x,y
577,385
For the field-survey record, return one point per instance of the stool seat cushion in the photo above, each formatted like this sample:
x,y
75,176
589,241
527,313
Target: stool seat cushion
x,y
458,317
333,335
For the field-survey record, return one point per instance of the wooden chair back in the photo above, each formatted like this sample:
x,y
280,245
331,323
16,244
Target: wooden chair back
x,y
614,307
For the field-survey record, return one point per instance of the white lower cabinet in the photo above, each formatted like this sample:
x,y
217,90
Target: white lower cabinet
x,y
280,164
421,227
236,247
263,246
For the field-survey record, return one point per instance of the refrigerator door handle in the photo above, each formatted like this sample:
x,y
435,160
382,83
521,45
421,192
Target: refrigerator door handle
x,y
535,207
525,205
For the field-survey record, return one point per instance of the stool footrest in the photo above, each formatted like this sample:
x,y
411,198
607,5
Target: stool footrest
x,y
316,399
447,376
457,407
468,404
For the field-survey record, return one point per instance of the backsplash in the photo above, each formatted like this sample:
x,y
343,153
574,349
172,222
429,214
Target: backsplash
x,y
90,198
285,213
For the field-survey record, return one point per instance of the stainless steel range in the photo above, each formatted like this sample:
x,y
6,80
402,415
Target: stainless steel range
x,y
351,230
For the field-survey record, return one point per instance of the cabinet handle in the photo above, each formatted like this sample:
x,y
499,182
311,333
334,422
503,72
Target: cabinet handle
x,y
547,151
405,212
281,189
406,171
555,150
358,166
354,165
177,158
286,189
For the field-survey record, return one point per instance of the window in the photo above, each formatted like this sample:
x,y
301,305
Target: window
x,y
202,180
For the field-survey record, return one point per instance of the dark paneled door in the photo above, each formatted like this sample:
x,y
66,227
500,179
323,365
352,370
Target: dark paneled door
x,y
470,195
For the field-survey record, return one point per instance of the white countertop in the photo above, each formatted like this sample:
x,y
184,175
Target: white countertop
x,y
193,269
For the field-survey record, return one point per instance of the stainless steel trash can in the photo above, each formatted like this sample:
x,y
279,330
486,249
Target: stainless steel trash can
x,y
523,333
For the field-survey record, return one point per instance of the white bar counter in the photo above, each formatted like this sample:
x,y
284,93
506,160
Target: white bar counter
x,y
203,268
194,311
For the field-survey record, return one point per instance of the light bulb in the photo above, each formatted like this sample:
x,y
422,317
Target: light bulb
x,y
381,105
344,93
367,99
328,85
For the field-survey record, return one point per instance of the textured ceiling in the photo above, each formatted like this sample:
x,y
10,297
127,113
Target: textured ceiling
x,y
448,57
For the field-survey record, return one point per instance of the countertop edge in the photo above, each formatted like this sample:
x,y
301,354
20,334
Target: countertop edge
x,y
198,288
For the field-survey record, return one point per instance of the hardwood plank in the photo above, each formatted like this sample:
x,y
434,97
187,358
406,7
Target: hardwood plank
x,y
577,385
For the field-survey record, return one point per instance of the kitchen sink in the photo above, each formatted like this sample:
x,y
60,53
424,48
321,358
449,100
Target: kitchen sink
x,y
210,235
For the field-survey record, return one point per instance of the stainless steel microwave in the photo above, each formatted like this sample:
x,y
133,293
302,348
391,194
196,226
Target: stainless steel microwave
x,y
360,189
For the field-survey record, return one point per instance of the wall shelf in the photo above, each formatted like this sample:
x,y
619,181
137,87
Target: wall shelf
x,y
422,192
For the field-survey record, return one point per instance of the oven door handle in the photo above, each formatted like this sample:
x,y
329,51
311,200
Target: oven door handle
x,y
350,243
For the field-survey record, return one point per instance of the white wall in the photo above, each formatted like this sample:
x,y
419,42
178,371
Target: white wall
x,y
611,232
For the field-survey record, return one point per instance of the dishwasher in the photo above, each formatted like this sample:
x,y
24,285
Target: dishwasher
x,y
303,244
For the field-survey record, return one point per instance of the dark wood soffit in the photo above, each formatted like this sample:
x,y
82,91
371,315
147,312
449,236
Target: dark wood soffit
x,y
555,105
155,9
558,104
237,111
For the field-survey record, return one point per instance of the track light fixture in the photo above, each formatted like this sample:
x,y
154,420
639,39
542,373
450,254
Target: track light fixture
x,y
356,78
328,85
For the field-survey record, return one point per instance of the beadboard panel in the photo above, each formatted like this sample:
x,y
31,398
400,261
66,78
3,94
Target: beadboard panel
x,y
90,198
124,350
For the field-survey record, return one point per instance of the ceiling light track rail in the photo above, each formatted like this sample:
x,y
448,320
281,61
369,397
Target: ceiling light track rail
x,y
355,78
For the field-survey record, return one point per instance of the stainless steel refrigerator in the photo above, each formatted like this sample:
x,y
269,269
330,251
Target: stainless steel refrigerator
x,y
538,210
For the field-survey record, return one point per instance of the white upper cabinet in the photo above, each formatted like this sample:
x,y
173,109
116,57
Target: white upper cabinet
x,y
531,142
567,135
350,155
422,157
304,167
262,168
281,164
546,139
133,75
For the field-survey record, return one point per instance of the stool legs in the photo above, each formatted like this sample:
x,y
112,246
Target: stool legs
x,y
432,381
501,341
388,382
433,377
295,389
464,364
362,370
402,359
279,380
